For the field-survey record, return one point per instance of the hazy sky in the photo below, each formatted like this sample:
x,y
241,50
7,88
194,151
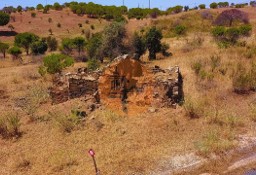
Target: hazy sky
x,y
162,4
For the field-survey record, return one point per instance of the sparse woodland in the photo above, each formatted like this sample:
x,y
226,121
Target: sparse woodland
x,y
214,48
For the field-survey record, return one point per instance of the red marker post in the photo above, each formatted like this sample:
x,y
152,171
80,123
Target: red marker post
x,y
92,154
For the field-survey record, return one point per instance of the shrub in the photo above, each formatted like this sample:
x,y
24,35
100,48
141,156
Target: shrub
x,y
80,25
228,17
180,30
52,43
67,45
192,108
3,48
36,96
93,64
215,141
232,34
39,47
92,27
197,66
15,52
54,63
33,14
10,125
59,25
245,30
87,21
164,49
241,80
50,31
67,123
49,20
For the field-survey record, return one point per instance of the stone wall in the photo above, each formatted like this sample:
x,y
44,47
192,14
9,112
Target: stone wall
x,y
142,85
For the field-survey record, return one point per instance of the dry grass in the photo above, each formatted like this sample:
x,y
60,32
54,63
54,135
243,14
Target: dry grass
x,y
133,143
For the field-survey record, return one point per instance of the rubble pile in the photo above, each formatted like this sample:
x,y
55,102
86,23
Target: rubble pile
x,y
125,79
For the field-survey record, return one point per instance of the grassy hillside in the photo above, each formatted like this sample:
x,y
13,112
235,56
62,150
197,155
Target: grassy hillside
x,y
210,120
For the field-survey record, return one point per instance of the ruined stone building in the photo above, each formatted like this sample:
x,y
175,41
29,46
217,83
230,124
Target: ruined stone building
x,y
126,79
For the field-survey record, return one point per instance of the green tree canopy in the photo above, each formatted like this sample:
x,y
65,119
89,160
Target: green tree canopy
x,y
79,43
54,63
15,52
153,42
25,40
4,18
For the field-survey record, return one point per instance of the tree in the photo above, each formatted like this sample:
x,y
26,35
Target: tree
x,y
228,17
67,45
213,5
202,6
19,8
54,63
94,45
4,18
79,43
15,52
3,48
139,45
153,42
112,40
52,43
57,6
39,47
39,7
186,8
25,40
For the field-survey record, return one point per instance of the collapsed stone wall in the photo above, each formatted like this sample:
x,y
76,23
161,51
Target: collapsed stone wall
x,y
71,86
126,79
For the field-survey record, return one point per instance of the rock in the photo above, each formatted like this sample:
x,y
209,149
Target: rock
x,y
152,110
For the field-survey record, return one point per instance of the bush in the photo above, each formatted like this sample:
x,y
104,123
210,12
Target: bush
x,y
3,48
180,30
245,30
197,66
49,20
67,45
10,125
67,123
92,27
52,43
215,141
241,80
54,63
15,52
39,47
59,25
33,14
93,64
